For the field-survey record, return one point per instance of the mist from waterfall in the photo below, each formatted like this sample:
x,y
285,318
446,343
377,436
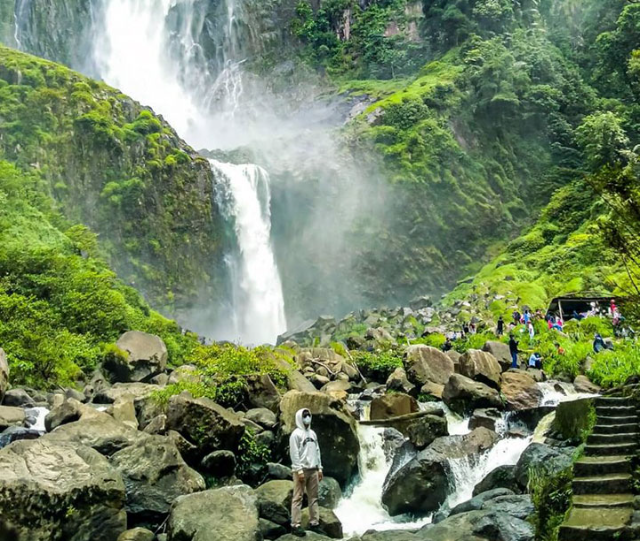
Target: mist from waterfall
x,y
137,54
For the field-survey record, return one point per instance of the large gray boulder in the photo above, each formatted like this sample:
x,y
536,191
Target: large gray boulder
x,y
392,405
500,477
207,425
52,491
137,534
4,374
543,458
146,356
223,514
500,351
421,485
463,395
425,430
68,412
481,366
335,427
97,430
10,416
155,474
520,390
428,365
399,382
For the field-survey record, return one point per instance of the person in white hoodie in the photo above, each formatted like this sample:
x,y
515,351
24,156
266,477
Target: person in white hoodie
x,y
306,465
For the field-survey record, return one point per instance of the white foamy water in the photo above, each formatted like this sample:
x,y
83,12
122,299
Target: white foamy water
x,y
363,510
258,297
555,392
39,413
134,54
467,472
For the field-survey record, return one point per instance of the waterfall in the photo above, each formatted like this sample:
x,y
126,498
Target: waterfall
x,y
258,299
137,54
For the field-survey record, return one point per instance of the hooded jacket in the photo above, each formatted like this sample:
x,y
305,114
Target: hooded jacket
x,y
303,447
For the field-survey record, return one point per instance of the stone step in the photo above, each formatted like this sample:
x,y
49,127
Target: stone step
x,y
613,438
610,450
611,483
615,411
614,401
603,500
628,428
596,524
601,465
617,420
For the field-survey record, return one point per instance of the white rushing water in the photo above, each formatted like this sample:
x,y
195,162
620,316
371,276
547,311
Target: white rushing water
x,y
258,286
362,510
555,392
135,56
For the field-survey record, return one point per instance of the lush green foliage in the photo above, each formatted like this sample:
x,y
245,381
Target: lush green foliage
x,y
223,372
59,303
116,168
613,368
252,459
551,497
377,365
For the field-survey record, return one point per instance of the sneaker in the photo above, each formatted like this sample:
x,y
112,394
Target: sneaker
x,y
298,531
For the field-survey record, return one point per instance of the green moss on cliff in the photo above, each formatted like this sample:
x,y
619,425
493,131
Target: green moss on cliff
x,y
113,165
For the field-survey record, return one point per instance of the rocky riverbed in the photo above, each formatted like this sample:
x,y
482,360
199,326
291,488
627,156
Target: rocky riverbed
x,y
119,460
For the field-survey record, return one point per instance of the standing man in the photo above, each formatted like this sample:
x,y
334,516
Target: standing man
x,y
513,349
500,328
307,472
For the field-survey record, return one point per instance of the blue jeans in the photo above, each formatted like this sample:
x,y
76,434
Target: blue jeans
x,y
514,359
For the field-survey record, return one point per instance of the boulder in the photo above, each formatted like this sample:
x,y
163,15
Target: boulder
x,y
309,536
146,356
463,395
421,485
582,384
223,514
67,412
58,490
74,394
207,425
137,534
278,471
481,366
477,502
219,464
262,393
18,398
135,391
399,382
380,336
329,493
455,357
187,373
520,390
543,458
154,474
329,523
10,416
517,505
277,492
271,530
425,430
479,525
428,365
157,425
97,430
4,374
500,351
500,477
337,386
392,405
335,427
124,411
16,433
487,418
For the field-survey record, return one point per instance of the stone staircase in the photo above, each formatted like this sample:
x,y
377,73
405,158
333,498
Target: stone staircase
x,y
603,500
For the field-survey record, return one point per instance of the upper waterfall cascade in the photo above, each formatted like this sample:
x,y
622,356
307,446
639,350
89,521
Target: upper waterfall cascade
x,y
138,54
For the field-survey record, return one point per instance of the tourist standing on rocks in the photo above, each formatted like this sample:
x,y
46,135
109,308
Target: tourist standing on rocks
x,y
500,328
307,472
513,349
516,317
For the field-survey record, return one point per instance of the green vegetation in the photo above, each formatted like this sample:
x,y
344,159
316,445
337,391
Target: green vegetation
x,y
115,167
379,365
551,497
575,420
59,303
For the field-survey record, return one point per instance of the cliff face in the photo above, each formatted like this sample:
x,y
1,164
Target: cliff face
x,y
116,167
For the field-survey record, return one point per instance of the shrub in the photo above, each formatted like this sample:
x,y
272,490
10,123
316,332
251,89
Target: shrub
x,y
612,368
377,366
551,497
252,459
575,420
